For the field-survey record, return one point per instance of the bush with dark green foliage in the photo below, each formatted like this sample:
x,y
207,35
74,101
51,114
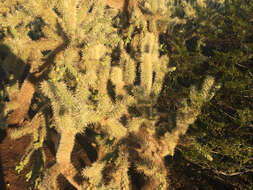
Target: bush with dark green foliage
x,y
221,44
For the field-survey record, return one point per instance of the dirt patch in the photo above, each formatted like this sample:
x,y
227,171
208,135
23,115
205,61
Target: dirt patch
x,y
117,4
10,153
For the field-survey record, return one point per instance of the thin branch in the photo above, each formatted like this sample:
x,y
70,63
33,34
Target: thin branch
x,y
246,90
241,66
227,114
232,174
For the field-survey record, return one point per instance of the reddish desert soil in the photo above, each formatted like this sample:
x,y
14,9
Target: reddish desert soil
x,y
10,154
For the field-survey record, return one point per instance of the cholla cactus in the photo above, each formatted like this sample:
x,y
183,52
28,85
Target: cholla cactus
x,y
137,139
143,147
